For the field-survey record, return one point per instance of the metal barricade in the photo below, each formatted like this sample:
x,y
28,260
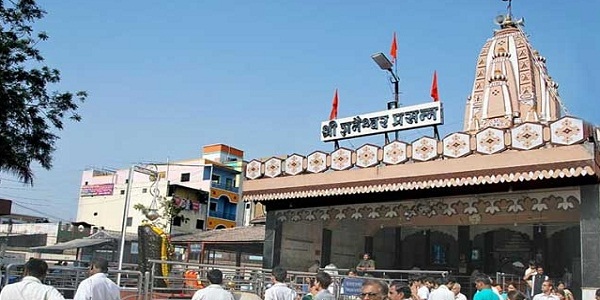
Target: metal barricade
x,y
185,278
516,280
66,279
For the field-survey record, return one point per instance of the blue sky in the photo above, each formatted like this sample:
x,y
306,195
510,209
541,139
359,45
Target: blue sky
x,y
166,77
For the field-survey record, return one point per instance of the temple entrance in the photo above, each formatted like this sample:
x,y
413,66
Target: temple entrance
x,y
488,249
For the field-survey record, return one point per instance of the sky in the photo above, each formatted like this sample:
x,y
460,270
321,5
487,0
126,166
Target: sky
x,y
167,77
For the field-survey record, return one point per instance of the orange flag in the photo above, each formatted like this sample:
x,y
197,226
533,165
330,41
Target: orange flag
x,y
394,49
334,106
434,88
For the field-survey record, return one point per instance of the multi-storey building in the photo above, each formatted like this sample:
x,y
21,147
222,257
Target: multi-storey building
x,y
206,189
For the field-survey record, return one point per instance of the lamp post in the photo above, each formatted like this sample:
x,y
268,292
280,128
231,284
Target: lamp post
x,y
385,64
132,170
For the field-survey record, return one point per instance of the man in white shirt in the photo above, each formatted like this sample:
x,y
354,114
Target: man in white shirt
x,y
98,286
422,289
441,290
214,291
546,294
31,286
279,290
529,273
457,294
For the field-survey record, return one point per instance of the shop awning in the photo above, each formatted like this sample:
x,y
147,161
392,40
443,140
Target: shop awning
x,y
73,244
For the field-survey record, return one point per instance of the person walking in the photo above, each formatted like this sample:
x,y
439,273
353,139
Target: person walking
x,y
31,286
279,290
214,291
98,285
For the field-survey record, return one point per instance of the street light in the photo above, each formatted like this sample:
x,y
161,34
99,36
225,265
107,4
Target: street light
x,y
382,61
132,170
385,64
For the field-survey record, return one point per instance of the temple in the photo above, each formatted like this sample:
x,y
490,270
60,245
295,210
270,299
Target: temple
x,y
519,183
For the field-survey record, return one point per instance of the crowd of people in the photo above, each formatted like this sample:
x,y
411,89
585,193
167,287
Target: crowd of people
x,y
321,286
422,288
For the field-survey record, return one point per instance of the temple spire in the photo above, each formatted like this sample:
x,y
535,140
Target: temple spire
x,y
511,84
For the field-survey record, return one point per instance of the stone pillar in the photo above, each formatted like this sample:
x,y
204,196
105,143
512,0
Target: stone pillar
x,y
590,240
368,246
272,246
398,247
464,249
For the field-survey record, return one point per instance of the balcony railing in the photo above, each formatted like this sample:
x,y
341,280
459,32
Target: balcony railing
x,y
222,215
223,186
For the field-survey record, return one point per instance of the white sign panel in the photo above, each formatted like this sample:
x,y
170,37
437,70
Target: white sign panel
x,y
145,171
408,117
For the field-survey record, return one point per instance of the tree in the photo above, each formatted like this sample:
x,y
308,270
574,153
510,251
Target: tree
x,y
29,114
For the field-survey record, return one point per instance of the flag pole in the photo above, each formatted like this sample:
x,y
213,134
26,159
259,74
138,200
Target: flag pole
x,y
436,97
333,115
394,53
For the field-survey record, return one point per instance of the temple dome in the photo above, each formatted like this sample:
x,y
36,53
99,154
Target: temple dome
x,y
511,83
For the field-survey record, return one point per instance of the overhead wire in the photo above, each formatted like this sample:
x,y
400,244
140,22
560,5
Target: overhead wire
x,y
39,212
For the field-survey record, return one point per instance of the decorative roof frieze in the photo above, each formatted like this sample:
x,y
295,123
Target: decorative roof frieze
x,y
488,141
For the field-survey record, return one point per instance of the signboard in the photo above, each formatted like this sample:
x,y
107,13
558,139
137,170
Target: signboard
x,y
145,171
97,190
408,117
352,286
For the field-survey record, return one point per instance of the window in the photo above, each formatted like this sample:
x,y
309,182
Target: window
x,y
144,190
216,179
206,173
129,221
122,192
199,224
86,183
213,206
126,181
177,221
95,214
135,248
195,250
185,177
228,182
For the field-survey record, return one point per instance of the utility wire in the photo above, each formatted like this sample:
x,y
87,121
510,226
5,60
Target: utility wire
x,y
40,212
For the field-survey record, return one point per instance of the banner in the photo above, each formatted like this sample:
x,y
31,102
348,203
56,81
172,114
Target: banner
x,y
97,190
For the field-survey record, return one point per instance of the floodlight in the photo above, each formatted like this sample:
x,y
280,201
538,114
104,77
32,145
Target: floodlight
x,y
383,62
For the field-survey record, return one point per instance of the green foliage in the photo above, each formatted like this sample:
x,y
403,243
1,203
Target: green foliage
x,y
168,211
29,113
